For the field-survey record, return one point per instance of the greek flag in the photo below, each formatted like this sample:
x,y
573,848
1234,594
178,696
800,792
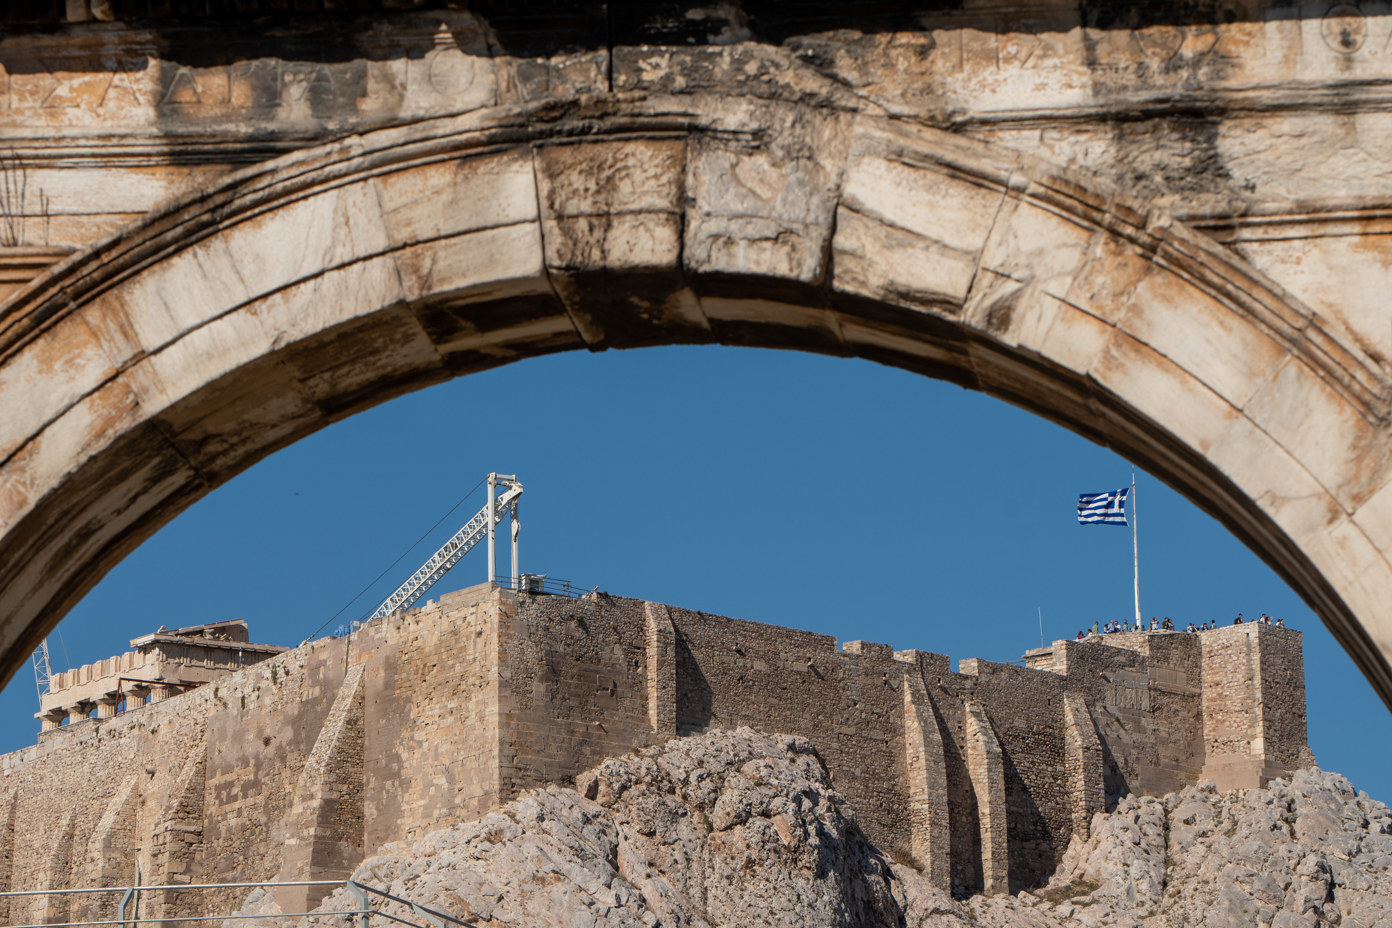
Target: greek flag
x,y
1103,508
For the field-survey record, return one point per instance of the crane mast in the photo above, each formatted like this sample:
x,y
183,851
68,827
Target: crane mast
x,y
483,525
43,670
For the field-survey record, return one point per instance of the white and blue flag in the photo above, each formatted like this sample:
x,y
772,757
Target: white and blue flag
x,y
1103,508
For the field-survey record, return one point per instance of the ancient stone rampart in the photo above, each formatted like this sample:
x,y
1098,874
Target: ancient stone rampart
x,y
299,767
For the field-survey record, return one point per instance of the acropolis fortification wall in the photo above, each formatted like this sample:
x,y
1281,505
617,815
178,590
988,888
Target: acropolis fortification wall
x,y
304,764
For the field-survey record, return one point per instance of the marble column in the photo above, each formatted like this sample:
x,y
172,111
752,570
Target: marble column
x,y
53,719
136,695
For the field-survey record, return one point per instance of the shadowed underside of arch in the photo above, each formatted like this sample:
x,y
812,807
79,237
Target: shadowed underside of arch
x,y
140,374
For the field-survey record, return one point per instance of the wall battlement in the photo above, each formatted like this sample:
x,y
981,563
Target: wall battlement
x,y
304,764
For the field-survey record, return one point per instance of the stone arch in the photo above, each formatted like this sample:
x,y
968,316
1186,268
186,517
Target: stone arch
x,y
148,369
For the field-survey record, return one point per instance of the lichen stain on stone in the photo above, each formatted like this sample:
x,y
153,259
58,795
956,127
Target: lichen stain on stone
x,y
1172,156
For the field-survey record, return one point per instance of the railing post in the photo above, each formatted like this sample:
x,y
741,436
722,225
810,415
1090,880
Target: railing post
x,y
437,922
125,903
365,913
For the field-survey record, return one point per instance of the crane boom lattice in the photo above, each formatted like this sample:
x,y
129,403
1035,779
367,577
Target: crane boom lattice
x,y
481,526
43,670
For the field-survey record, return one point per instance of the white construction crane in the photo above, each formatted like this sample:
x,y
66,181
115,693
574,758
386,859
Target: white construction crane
x,y
485,522
43,670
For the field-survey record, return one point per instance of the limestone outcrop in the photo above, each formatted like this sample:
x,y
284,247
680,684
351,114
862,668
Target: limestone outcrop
x,y
1302,852
743,828
731,827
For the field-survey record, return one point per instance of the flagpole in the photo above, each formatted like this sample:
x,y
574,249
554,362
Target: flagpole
x,y
1135,551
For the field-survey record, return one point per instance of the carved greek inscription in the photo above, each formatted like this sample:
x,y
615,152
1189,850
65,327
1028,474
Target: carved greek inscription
x,y
253,85
1344,28
449,71
182,90
44,84
1200,44
1023,50
305,85
385,87
121,85
262,84
947,49
1161,43
1187,45
72,89
961,49
978,48
29,90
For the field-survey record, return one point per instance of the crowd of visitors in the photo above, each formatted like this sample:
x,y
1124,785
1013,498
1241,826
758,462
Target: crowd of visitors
x,y
1166,625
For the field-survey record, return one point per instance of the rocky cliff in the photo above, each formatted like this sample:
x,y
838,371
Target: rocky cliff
x,y
743,828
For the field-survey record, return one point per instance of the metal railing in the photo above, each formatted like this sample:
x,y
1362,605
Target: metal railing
x,y
529,583
540,583
362,913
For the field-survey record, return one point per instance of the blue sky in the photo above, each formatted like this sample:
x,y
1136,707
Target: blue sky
x,y
826,494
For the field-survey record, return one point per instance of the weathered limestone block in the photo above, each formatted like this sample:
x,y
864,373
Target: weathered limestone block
x,y
469,230
21,264
616,208
933,220
1288,491
1303,412
1029,262
759,221
72,347
763,206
